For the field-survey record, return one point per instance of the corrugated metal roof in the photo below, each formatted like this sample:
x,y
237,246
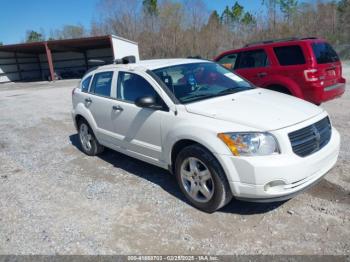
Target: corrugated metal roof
x,y
77,44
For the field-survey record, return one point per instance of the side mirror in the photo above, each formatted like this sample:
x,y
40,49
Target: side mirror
x,y
148,102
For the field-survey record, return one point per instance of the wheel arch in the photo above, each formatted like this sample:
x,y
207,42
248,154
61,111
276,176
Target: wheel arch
x,y
285,83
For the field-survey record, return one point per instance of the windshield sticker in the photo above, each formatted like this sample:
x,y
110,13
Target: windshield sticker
x,y
234,77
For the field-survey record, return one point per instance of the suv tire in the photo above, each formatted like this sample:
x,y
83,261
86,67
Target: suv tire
x,y
88,142
202,179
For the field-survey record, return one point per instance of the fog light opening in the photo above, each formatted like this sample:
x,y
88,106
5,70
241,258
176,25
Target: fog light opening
x,y
276,186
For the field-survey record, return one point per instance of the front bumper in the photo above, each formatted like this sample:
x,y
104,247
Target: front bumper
x,y
278,177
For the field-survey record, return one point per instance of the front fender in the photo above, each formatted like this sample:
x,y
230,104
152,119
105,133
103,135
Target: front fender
x,y
208,139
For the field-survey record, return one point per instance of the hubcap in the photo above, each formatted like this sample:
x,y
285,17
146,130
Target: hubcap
x,y
85,137
197,179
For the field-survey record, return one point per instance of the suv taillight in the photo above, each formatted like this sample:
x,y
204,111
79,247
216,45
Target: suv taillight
x,y
311,75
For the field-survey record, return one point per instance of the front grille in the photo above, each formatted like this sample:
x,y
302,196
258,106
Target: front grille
x,y
312,138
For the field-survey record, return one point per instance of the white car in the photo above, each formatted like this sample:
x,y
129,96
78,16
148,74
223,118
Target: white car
x,y
218,134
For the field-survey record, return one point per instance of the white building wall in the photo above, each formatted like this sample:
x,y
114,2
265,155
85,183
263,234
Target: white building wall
x,y
123,47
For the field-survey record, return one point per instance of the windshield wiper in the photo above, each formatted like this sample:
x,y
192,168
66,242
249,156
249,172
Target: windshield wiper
x,y
232,90
195,97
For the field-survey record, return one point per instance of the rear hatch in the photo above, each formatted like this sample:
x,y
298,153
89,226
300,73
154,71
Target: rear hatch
x,y
328,63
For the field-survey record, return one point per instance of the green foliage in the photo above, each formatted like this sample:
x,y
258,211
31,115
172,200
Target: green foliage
x,y
68,32
226,16
1,43
237,12
150,7
33,36
214,18
248,19
288,7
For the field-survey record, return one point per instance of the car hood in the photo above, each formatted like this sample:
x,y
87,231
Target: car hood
x,y
258,108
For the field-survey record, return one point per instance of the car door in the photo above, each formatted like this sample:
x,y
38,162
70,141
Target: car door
x,y
99,102
253,65
138,129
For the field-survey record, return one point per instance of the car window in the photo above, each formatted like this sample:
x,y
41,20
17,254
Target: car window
x,y
228,61
324,53
252,59
85,84
197,81
101,85
289,55
132,86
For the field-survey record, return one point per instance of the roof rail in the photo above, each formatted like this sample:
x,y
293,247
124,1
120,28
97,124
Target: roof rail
x,y
278,40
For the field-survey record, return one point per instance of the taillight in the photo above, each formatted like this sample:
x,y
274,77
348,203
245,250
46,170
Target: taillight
x,y
311,75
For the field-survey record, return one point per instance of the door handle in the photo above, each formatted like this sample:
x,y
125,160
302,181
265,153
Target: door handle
x,y
117,108
262,74
88,100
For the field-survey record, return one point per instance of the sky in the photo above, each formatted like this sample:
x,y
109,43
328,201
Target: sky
x,y
18,16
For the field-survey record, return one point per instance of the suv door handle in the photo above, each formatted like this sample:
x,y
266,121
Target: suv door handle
x,y
88,100
262,74
117,108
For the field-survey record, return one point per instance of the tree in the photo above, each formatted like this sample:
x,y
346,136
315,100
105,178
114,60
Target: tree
x,y
70,31
237,12
150,7
248,19
1,43
214,19
288,8
226,16
33,36
343,20
272,11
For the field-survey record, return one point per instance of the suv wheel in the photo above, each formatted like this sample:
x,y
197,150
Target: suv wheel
x,y
202,179
88,141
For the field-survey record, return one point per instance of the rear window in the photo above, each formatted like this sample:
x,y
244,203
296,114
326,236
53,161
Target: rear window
x,y
85,84
324,53
289,55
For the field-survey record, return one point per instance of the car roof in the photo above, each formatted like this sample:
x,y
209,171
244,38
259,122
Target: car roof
x,y
272,43
154,63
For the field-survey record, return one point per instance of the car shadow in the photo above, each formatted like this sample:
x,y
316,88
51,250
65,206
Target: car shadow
x,y
168,183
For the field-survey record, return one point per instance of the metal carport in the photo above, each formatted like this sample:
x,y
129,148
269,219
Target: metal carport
x,y
41,60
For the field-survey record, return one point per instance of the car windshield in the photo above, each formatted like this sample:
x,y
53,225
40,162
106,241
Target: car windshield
x,y
198,81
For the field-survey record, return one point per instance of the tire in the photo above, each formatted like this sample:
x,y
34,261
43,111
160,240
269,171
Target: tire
x,y
88,142
202,179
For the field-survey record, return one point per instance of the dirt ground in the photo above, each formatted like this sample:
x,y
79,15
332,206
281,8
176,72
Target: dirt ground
x,y
56,200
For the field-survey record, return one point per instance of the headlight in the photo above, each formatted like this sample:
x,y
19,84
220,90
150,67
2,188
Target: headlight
x,y
250,144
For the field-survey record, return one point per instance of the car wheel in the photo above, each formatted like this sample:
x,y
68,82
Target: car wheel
x,y
88,141
202,179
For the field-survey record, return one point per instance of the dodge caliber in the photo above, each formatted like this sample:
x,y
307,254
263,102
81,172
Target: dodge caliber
x,y
218,134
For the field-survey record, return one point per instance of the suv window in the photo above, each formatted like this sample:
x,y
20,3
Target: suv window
x,y
324,53
132,86
289,55
101,85
85,84
228,61
252,59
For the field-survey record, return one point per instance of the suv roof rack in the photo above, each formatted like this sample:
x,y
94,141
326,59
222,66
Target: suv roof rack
x,y
279,40
125,60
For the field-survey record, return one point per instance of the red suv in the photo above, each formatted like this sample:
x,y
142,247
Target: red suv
x,y
307,68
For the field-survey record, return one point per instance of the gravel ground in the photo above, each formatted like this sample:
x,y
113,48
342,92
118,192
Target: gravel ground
x,y
56,200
